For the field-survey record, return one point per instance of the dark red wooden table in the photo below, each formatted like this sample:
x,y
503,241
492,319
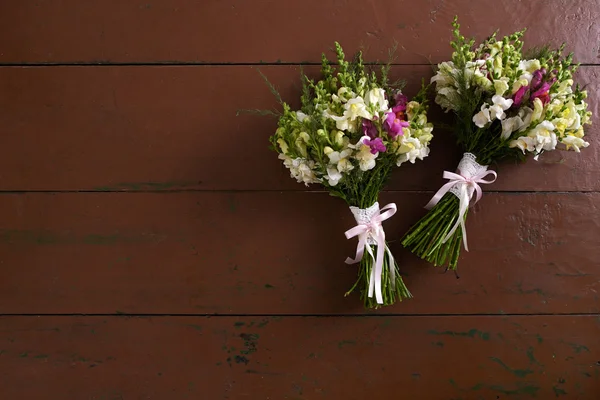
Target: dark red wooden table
x,y
152,247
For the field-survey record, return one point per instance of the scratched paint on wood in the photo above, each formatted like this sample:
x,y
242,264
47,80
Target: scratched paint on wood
x,y
295,358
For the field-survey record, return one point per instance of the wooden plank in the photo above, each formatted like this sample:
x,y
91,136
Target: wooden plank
x,y
109,31
283,253
166,128
539,357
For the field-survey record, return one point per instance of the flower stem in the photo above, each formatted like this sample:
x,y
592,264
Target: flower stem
x,y
392,290
426,238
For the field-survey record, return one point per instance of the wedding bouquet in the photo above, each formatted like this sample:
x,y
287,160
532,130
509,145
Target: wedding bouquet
x,y
506,105
352,129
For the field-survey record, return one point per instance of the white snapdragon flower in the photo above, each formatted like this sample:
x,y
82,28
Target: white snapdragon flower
x,y
375,99
482,118
525,143
509,125
544,136
411,149
445,74
500,104
565,88
495,111
353,109
366,160
574,142
300,116
529,67
300,169
338,163
333,176
525,113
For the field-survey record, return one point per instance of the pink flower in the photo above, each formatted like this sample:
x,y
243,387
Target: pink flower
x,y
369,128
543,93
401,99
518,97
393,125
376,145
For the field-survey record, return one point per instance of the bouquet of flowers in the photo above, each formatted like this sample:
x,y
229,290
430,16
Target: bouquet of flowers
x,y
352,129
506,105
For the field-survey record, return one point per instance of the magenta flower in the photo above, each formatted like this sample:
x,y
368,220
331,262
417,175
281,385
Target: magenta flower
x,y
518,97
543,93
369,128
393,125
536,80
401,100
376,145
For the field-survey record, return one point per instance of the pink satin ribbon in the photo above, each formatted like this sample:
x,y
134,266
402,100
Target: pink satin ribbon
x,y
466,185
375,230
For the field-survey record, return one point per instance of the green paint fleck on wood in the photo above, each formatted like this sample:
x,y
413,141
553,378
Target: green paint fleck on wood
x,y
558,391
520,373
268,286
238,324
472,333
452,382
578,348
24,354
346,343
196,327
41,356
522,389
531,357
438,344
539,338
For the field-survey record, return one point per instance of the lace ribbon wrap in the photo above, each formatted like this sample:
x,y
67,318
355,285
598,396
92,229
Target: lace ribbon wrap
x,y
370,233
463,184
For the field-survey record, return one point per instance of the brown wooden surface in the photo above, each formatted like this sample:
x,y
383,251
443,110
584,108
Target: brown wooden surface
x,y
152,247
300,358
240,253
164,128
215,31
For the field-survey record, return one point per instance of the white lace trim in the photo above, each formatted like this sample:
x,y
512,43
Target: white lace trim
x,y
468,168
363,217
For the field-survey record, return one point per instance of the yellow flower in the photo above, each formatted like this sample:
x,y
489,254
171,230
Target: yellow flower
x,y
518,84
501,85
538,109
410,108
283,145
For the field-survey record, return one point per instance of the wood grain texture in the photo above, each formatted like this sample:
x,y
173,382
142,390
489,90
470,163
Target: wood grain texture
x,y
173,128
215,31
283,253
542,357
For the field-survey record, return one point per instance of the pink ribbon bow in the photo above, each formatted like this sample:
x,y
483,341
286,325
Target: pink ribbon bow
x,y
373,229
467,185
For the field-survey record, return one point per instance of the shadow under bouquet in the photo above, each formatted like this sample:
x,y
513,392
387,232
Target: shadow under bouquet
x,y
353,128
506,105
